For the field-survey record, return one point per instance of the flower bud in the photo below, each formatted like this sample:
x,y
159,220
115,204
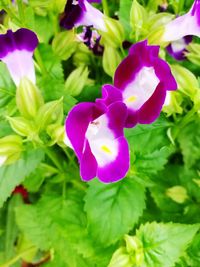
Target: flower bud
x,y
50,113
172,103
64,44
111,59
28,98
76,80
177,193
137,17
82,55
114,36
120,259
57,134
193,53
21,125
187,82
10,149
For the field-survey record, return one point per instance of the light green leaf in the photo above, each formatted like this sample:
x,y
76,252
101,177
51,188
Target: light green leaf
x,y
164,244
113,209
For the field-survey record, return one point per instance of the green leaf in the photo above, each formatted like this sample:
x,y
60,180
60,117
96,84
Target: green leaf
x,y
164,244
124,15
13,175
113,209
189,139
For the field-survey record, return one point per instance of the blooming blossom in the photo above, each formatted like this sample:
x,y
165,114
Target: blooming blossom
x,y
188,24
16,51
91,39
96,134
81,12
141,82
178,48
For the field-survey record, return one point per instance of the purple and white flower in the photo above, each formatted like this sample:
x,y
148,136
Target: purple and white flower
x,y
91,39
188,24
16,51
96,134
82,13
141,81
178,48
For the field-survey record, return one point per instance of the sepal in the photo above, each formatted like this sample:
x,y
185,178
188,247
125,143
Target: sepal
x,y
28,99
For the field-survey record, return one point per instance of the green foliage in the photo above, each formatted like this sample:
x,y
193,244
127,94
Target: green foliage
x,y
113,209
148,219
163,244
13,175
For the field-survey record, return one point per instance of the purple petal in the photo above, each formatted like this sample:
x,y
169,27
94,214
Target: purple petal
x,y
150,111
163,72
88,164
188,24
116,170
77,123
178,48
82,13
22,39
94,1
16,51
110,94
117,114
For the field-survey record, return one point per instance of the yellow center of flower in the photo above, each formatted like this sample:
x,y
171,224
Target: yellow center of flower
x,y
106,149
131,99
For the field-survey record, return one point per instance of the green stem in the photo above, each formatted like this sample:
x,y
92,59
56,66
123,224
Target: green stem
x,y
17,257
187,119
78,185
105,7
53,156
21,12
40,62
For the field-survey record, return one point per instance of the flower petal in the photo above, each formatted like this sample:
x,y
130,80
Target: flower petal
x,y
117,169
77,123
88,164
16,51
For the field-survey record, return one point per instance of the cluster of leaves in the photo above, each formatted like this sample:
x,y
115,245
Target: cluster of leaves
x,y
150,218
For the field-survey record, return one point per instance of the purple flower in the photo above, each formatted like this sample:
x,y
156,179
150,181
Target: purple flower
x,y
16,51
81,12
141,82
96,135
188,24
91,39
178,48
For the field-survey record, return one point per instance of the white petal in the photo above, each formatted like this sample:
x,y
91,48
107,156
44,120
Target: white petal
x,y
167,99
67,141
94,17
102,142
178,46
20,64
141,88
180,27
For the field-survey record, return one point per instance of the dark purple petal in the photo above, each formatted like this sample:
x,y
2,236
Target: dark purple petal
x,y
179,54
117,114
88,164
117,169
110,94
126,71
163,72
77,123
72,14
22,39
94,1
150,111
196,10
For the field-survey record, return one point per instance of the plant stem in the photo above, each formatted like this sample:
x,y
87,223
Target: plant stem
x,y
105,7
21,12
40,62
53,156
17,257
